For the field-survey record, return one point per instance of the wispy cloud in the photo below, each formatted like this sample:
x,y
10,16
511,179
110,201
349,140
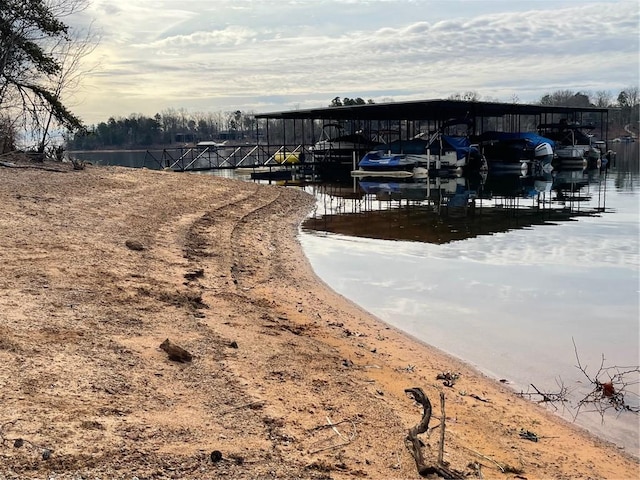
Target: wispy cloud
x,y
207,54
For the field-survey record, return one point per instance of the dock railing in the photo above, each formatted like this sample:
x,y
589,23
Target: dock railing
x,y
193,158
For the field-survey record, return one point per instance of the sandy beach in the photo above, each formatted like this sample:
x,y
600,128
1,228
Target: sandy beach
x,y
287,379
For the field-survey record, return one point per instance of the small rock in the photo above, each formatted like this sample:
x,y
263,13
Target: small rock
x,y
193,274
233,344
175,352
46,454
216,456
134,245
18,443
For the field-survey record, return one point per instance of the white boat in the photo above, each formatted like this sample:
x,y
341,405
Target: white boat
x,y
572,144
211,144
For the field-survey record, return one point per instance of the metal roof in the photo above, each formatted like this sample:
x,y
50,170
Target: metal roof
x,y
425,110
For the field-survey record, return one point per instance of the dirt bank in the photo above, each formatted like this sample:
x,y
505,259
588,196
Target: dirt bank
x,y
287,380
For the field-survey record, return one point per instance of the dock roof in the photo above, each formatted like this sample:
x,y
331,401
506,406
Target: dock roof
x,y
439,110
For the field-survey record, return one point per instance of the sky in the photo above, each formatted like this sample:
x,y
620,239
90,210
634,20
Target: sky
x,y
277,55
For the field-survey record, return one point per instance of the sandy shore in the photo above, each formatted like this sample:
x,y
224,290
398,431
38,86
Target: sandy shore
x,y
287,380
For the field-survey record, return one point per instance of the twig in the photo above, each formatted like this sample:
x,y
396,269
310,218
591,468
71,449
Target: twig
x,y
442,427
346,420
611,392
330,447
333,427
485,457
250,404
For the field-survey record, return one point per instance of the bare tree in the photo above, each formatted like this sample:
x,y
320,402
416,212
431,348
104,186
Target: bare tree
x,y
603,98
70,55
31,32
469,96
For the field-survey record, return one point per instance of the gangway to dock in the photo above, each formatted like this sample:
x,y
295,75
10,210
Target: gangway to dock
x,y
211,157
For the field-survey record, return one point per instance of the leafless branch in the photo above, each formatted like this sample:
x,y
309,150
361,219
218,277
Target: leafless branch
x,y
609,387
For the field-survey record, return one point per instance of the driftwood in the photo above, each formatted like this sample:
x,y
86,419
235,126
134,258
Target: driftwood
x,y
414,444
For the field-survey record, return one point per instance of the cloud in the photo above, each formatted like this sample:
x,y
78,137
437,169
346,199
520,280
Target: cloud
x,y
309,52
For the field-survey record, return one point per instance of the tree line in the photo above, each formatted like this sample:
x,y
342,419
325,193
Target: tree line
x,y
175,126
179,126
171,126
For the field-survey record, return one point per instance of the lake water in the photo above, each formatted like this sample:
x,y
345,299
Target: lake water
x,y
503,272
507,285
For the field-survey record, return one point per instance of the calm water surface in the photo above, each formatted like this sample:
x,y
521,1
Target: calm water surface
x,y
507,286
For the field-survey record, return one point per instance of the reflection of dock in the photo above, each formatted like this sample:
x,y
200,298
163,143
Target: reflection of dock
x,y
442,210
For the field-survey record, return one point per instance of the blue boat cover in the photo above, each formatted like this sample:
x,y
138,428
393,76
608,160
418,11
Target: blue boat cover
x,y
461,145
531,137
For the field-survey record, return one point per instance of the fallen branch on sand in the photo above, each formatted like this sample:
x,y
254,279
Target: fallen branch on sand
x,y
414,444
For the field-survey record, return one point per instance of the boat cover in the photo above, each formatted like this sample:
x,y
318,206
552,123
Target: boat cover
x,y
461,145
531,137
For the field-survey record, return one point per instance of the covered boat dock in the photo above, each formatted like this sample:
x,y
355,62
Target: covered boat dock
x,y
290,137
411,118
299,130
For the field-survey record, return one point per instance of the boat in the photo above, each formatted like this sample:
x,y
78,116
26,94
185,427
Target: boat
x,y
573,144
210,144
383,173
378,160
439,153
288,158
517,151
337,147
450,150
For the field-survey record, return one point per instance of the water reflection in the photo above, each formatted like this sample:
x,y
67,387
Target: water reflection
x,y
446,209
504,272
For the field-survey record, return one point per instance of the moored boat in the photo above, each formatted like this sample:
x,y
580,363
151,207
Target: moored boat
x,y
518,151
389,161
440,153
335,146
573,145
